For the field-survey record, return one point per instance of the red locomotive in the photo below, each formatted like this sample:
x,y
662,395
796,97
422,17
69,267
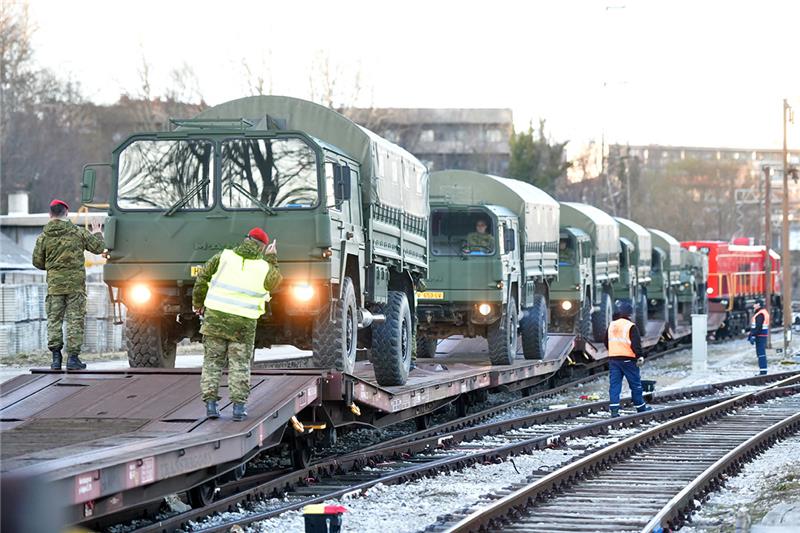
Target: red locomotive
x,y
736,279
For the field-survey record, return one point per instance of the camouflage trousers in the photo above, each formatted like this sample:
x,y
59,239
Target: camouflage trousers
x,y
71,307
237,356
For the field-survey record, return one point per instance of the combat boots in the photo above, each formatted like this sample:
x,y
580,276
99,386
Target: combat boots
x,y
74,363
211,409
614,412
57,358
239,412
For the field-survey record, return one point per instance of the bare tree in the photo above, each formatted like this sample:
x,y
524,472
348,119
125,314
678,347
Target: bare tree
x,y
333,85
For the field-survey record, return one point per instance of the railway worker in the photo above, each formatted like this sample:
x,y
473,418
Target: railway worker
x,y
231,293
759,333
625,357
481,238
59,251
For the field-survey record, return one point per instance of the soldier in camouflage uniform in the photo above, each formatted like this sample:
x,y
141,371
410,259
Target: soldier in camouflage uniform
x,y
480,240
230,293
59,251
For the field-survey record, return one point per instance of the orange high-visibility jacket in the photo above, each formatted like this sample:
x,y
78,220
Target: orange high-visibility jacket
x,y
619,338
764,328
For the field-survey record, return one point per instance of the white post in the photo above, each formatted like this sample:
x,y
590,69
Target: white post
x,y
699,344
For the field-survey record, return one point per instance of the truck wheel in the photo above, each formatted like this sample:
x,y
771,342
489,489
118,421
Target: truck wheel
x,y
426,346
391,341
502,336
585,319
641,314
602,317
334,341
148,345
534,329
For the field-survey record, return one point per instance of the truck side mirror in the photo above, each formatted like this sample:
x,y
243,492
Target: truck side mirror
x,y
87,185
509,240
341,182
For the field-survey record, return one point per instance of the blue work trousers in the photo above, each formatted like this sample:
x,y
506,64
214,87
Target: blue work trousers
x,y
761,353
617,368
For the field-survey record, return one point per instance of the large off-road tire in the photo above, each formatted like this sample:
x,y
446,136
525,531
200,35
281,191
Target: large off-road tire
x,y
502,336
641,313
392,341
333,342
584,319
601,318
148,342
533,328
426,346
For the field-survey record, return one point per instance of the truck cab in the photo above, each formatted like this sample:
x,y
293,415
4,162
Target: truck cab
x,y
666,273
635,268
488,271
571,295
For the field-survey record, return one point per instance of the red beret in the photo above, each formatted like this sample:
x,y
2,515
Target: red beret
x,y
259,235
59,202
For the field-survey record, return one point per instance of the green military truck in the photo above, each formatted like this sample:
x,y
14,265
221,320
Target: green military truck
x,y
493,253
691,291
635,260
582,299
349,211
665,274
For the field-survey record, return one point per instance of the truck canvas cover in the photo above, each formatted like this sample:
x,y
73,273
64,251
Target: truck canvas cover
x,y
538,211
600,226
669,244
390,176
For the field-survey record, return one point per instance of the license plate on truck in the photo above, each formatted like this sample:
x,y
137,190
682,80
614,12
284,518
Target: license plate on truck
x,y
430,295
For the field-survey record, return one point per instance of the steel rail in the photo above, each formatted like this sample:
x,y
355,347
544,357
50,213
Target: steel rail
x,y
483,519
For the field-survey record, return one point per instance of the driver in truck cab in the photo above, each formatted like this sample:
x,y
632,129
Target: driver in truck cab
x,y
231,292
480,239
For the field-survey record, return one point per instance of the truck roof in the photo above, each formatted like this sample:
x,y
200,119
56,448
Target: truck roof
x,y
600,226
637,234
537,210
390,175
669,244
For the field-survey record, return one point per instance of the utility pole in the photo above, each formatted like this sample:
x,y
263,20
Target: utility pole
x,y
768,244
787,253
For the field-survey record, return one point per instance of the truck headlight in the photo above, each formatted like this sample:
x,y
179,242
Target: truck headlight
x,y
302,292
484,309
141,294
566,305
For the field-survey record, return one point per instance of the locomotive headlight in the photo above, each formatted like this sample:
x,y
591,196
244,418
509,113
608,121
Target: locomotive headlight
x,y
140,294
566,305
302,292
710,290
484,309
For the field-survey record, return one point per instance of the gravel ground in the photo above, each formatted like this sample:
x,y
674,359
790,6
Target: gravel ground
x,y
771,480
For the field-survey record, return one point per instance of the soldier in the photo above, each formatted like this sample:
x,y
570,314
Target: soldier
x,y
625,356
59,251
231,293
480,238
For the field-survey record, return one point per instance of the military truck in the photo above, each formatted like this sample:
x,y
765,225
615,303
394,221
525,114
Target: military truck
x,y
665,274
635,261
493,253
691,290
582,299
348,209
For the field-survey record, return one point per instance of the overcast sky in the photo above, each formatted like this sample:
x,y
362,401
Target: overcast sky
x,y
671,72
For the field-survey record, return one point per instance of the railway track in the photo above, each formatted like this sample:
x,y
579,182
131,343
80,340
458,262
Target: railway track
x,y
647,482
452,445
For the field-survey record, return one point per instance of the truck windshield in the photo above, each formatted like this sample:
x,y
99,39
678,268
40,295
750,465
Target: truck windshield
x,y
280,173
461,233
566,251
155,174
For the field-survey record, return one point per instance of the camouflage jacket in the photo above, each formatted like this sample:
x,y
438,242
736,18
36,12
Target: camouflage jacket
x,y
226,325
59,251
481,240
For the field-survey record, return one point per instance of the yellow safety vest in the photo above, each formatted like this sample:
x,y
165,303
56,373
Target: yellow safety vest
x,y
237,287
619,338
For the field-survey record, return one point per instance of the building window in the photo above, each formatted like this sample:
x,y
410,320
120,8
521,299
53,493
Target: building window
x,y
494,135
427,136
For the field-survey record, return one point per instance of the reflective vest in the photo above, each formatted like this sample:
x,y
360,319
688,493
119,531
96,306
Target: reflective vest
x,y
237,287
764,328
619,338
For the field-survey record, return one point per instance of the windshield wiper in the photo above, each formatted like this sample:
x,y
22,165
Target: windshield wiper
x,y
261,205
186,197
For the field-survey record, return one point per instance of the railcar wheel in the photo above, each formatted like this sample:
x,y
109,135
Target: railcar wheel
x,y
202,495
